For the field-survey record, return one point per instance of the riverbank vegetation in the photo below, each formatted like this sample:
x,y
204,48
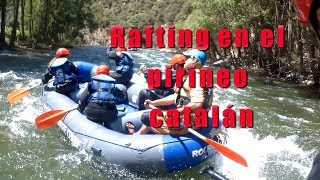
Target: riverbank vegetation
x,y
74,22
297,62
43,23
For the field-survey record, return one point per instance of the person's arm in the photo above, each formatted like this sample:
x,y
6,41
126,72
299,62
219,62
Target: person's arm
x,y
113,55
46,77
145,74
192,105
73,68
119,93
164,101
83,99
83,103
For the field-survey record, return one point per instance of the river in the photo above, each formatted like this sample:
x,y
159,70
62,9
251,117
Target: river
x,y
281,145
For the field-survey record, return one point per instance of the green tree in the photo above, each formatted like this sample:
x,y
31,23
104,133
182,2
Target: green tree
x,y
3,22
15,23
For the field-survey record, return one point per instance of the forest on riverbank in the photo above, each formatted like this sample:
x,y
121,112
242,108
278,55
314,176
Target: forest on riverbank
x,y
54,23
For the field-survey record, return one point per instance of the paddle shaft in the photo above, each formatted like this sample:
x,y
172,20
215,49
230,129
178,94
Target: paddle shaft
x,y
35,86
73,108
193,132
32,87
219,147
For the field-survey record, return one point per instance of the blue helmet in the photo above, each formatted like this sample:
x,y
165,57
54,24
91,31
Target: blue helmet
x,y
199,55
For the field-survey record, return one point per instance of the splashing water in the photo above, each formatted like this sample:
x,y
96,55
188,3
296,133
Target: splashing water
x,y
281,145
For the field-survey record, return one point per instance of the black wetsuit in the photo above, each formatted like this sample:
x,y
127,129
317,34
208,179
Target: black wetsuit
x,y
158,93
124,69
100,110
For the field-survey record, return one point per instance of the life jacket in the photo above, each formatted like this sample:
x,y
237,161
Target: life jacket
x,y
102,88
85,71
125,66
60,68
181,101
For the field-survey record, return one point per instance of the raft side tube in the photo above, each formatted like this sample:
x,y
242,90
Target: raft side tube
x,y
85,71
133,94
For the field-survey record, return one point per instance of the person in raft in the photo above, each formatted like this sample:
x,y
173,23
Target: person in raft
x,y
124,66
176,62
186,96
63,71
98,100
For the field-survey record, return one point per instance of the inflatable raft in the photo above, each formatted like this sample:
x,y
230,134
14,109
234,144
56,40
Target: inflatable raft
x,y
149,153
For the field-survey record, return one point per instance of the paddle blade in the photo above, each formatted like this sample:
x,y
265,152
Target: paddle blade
x,y
227,152
50,118
17,94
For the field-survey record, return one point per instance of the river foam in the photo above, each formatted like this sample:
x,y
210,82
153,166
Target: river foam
x,y
265,156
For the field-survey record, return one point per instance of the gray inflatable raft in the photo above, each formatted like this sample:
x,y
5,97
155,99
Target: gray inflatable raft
x,y
149,153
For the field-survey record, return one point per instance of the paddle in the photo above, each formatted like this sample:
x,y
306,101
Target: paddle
x,y
219,147
51,118
18,94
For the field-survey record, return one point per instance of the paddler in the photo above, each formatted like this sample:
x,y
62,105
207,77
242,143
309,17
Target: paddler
x,y
194,98
63,71
124,63
98,100
176,62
